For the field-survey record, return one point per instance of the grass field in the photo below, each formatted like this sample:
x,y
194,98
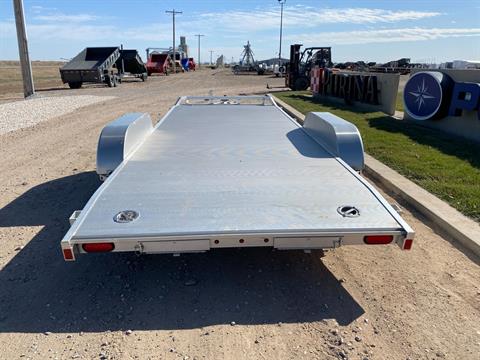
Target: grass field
x,y
45,76
446,166
399,106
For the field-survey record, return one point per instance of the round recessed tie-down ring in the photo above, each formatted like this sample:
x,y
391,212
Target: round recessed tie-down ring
x,y
126,216
348,211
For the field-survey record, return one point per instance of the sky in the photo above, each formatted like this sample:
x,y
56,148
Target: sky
x,y
426,31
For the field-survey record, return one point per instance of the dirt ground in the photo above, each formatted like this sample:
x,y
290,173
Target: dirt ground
x,y
356,302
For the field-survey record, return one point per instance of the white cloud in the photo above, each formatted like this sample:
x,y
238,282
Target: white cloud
x,y
72,32
384,35
162,33
231,29
233,25
244,21
38,8
43,14
88,32
60,17
370,16
7,29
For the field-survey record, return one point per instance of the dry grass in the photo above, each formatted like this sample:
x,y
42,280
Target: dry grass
x,y
45,76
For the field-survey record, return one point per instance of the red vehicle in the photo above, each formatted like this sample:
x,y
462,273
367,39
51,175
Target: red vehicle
x,y
159,64
191,64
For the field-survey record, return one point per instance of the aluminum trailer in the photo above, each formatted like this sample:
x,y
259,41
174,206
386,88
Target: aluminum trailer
x,y
219,172
91,65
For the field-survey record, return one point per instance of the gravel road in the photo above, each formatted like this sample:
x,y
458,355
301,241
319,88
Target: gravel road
x,y
21,114
355,303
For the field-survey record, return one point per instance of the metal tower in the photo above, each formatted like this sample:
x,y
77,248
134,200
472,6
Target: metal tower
x,y
247,55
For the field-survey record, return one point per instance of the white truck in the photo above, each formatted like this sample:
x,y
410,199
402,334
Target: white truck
x,y
220,172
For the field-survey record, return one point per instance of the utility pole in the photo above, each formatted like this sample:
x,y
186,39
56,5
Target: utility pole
x,y
173,12
199,36
211,52
281,2
28,89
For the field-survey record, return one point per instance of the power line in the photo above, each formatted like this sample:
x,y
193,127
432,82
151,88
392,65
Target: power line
x,y
173,12
199,36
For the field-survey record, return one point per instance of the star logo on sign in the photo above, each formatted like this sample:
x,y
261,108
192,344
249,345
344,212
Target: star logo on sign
x,y
421,94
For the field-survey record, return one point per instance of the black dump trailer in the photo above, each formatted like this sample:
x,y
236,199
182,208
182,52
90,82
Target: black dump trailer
x,y
130,64
92,65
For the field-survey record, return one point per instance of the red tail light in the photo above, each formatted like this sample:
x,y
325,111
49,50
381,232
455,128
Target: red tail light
x,y
68,254
407,244
378,239
98,247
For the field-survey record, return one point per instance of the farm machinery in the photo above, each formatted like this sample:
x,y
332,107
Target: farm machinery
x,y
248,63
298,68
160,61
159,64
188,64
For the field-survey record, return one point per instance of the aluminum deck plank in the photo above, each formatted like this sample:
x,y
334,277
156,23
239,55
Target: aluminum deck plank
x,y
231,168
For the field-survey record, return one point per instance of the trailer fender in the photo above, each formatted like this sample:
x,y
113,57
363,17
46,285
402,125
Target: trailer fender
x,y
119,139
338,136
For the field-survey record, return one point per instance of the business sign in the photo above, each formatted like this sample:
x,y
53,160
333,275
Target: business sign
x,y
375,90
350,87
445,99
430,95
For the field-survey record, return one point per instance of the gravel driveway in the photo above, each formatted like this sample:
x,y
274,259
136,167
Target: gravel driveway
x,y
21,114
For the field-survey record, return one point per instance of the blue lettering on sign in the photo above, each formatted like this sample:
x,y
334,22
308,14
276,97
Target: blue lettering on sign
x,y
466,96
429,94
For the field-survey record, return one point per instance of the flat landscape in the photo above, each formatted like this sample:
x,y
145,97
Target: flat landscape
x,y
354,303
45,76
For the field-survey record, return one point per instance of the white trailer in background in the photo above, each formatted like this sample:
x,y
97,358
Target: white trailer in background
x,y
219,172
466,64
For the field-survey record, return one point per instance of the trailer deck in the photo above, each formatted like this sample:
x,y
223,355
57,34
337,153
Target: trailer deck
x,y
229,174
